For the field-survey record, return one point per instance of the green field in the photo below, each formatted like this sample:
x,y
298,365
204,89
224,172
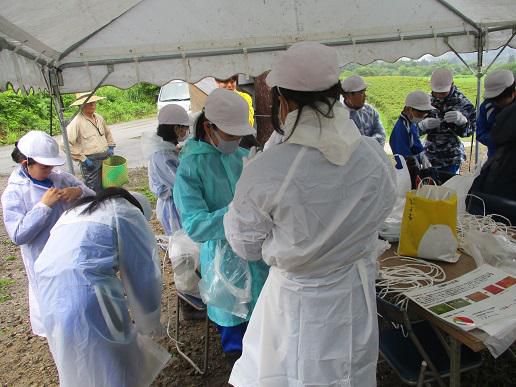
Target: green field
x,y
20,113
387,94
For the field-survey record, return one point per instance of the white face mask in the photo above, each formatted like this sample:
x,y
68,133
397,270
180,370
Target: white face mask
x,y
416,120
224,146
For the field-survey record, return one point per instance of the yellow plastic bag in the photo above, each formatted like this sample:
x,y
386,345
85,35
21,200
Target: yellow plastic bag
x,y
114,172
429,224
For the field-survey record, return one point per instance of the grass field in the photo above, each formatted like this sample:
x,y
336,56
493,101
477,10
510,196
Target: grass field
x,y
387,94
19,113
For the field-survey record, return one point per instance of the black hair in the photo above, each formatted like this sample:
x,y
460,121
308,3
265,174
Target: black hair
x,y
233,78
505,94
167,132
200,133
249,141
103,195
304,99
420,111
17,156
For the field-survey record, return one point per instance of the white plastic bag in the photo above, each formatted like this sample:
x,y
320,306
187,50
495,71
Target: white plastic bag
x,y
462,184
491,248
184,255
227,282
390,229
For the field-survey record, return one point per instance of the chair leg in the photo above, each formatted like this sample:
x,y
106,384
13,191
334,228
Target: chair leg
x,y
206,338
421,377
206,342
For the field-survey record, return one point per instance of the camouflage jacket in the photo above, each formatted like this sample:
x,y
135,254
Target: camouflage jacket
x,y
443,146
367,120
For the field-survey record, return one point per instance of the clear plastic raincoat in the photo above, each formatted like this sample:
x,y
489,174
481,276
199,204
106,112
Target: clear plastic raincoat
x,y
163,163
83,302
205,185
311,208
28,223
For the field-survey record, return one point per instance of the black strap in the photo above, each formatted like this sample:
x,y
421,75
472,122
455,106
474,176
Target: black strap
x,y
96,127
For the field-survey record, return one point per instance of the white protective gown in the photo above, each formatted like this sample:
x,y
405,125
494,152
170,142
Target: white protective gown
x,y
311,207
83,304
163,162
28,223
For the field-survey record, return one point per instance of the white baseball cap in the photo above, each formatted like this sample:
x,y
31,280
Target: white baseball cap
x,y
40,147
419,100
441,80
305,66
229,111
353,83
173,115
496,82
144,202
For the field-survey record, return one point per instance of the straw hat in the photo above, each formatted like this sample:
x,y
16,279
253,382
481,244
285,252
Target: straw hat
x,y
80,98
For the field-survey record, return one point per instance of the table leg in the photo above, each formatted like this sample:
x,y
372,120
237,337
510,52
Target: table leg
x,y
454,362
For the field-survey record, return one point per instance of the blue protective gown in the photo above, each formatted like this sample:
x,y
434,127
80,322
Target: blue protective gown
x,y
162,175
28,222
205,185
85,305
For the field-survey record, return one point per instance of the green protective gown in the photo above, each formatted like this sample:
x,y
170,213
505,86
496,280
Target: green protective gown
x,y
205,185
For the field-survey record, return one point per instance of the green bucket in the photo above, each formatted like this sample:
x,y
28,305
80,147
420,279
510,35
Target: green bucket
x,y
114,172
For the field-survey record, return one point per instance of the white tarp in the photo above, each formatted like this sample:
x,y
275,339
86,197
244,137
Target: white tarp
x,y
159,40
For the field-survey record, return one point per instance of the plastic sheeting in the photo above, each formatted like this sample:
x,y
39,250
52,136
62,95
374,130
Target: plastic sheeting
x,y
159,40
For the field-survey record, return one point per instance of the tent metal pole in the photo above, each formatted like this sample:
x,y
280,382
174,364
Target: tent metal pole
x,y
56,93
500,52
460,57
458,13
56,97
479,74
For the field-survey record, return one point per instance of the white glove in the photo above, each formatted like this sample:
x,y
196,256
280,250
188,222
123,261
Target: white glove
x,y
455,117
425,163
252,153
430,123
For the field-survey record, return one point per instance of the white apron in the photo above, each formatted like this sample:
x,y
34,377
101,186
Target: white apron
x,y
312,331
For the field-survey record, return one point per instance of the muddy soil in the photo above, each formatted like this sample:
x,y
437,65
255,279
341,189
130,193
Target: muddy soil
x,y
26,359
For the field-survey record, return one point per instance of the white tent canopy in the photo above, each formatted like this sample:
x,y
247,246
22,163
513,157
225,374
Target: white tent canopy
x,y
159,40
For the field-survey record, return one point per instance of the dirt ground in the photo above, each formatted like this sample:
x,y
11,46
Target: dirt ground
x,y
26,359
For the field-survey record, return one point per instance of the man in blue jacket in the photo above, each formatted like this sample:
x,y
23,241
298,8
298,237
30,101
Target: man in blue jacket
x,y
499,93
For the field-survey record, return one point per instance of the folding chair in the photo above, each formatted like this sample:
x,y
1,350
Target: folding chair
x,y
197,304
414,350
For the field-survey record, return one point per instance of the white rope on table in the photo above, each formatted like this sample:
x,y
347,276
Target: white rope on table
x,y
412,273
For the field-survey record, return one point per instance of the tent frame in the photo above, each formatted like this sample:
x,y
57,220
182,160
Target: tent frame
x,y
38,52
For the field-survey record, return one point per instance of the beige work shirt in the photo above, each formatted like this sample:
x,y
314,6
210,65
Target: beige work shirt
x,y
85,138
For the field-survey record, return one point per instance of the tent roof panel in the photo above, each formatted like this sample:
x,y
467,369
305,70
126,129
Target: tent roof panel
x,y
159,40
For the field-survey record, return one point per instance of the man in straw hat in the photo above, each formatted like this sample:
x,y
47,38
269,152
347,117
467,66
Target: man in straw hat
x,y
90,139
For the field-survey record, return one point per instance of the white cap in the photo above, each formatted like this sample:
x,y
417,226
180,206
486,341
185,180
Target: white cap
x,y
441,80
353,83
144,202
305,66
496,82
173,115
40,147
229,111
419,100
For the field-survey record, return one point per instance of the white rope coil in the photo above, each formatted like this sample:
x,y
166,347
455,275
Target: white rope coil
x,y
411,273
